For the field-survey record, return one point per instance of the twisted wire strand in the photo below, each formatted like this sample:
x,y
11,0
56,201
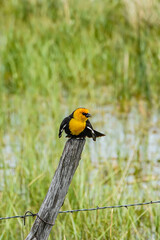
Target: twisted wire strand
x,y
30,214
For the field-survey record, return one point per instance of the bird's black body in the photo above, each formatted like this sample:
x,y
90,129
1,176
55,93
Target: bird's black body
x,y
87,132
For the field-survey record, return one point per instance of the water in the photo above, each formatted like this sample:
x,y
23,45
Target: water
x,y
133,136
9,160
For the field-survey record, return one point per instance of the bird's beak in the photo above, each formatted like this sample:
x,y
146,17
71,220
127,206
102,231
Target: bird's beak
x,y
88,115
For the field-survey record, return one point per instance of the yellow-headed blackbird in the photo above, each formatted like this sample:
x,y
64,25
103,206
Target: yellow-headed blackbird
x,y
77,125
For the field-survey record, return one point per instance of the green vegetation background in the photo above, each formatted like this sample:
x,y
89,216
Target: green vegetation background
x,y
55,56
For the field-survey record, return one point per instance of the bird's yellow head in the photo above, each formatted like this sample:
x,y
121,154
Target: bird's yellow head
x,y
81,114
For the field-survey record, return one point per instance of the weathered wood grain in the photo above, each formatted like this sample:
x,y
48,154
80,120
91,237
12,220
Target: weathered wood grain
x,y
58,189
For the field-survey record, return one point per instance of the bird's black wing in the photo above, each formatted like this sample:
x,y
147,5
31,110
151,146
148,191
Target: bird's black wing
x,y
63,125
90,131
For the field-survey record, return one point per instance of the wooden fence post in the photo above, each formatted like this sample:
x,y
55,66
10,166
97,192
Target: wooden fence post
x,y
58,189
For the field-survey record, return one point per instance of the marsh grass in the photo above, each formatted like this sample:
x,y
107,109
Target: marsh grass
x,y
34,144
73,45
55,56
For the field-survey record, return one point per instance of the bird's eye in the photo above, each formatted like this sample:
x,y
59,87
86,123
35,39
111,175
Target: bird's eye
x,y
84,113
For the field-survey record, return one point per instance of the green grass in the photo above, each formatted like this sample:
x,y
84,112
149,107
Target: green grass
x,y
77,46
55,56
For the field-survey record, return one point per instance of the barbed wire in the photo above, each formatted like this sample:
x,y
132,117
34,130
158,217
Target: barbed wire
x,y
30,214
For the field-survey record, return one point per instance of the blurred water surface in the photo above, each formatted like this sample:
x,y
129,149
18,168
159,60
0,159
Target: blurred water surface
x,y
132,144
132,141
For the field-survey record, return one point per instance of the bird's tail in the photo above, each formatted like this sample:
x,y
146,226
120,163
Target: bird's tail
x,y
98,134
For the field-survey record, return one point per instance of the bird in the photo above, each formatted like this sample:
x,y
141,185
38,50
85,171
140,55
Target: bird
x,y
77,125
